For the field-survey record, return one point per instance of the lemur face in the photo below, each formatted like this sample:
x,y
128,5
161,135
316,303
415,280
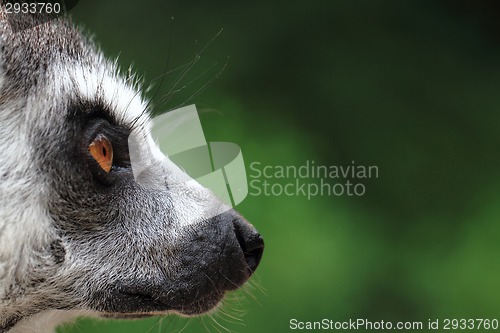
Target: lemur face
x,y
77,231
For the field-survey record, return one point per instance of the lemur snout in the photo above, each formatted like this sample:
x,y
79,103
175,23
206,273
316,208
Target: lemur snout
x,y
216,255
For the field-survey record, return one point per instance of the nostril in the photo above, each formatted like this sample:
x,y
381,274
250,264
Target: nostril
x,y
253,253
251,243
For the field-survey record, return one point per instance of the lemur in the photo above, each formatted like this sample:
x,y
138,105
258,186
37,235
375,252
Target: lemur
x,y
78,234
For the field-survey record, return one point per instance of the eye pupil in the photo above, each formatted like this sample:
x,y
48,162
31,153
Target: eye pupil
x,y
102,152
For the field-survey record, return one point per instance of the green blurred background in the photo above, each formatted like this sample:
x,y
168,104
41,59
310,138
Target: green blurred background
x,y
409,86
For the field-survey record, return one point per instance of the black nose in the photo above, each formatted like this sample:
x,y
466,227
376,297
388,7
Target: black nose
x,y
250,241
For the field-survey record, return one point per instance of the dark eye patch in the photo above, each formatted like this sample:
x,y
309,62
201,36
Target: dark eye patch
x,y
91,120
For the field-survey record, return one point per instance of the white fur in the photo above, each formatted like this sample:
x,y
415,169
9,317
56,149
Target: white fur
x,y
48,321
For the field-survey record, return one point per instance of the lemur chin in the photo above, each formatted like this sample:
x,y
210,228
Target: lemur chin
x,y
78,234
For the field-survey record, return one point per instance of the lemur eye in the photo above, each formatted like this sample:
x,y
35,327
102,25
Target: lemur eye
x,y
102,151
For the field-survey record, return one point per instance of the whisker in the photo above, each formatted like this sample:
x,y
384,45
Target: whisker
x,y
226,316
169,94
157,324
204,86
204,324
163,100
185,326
166,67
219,325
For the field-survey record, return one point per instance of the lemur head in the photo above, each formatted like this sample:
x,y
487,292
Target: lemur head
x,y
77,231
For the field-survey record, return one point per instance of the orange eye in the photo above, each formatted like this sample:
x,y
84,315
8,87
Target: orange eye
x,y
102,151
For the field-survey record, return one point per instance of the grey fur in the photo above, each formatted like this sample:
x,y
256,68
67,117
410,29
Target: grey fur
x,y
72,238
